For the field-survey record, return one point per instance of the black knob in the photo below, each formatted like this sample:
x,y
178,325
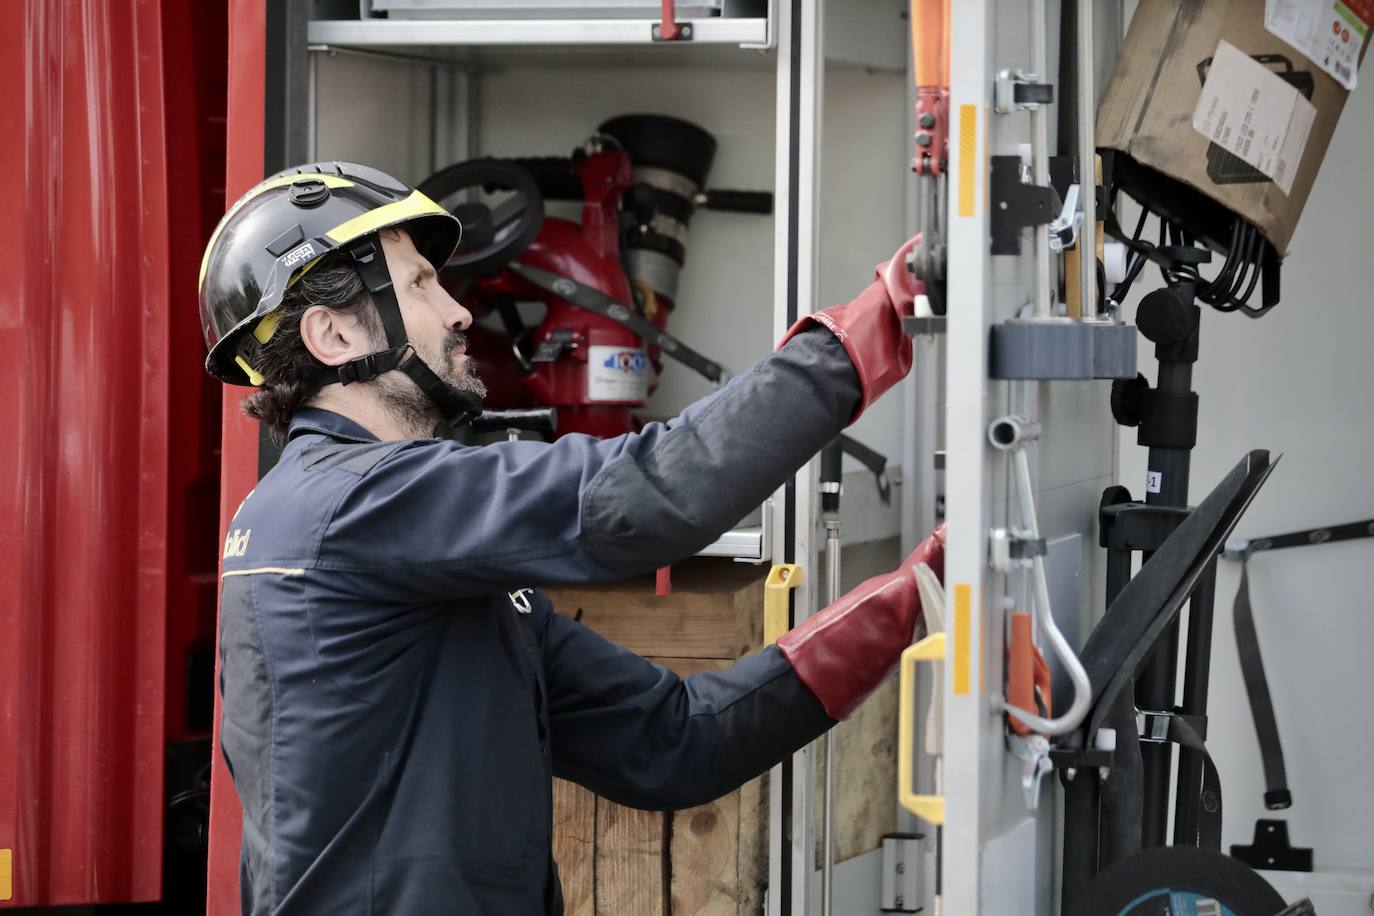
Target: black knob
x,y
1166,317
926,120
1128,397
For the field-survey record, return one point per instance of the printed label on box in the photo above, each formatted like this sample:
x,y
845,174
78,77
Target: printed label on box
x,y
1254,114
1330,32
1154,481
617,374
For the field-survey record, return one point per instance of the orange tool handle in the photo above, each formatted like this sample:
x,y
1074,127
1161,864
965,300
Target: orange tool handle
x,y
930,42
1027,672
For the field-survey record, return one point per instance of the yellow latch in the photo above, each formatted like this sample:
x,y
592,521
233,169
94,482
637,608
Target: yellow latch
x,y
927,807
781,578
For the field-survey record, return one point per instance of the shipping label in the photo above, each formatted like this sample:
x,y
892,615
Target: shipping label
x,y
1253,113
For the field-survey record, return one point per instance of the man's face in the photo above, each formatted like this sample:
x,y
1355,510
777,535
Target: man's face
x,y
434,325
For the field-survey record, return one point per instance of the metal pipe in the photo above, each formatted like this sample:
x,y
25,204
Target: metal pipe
x,y
1040,159
832,581
1087,158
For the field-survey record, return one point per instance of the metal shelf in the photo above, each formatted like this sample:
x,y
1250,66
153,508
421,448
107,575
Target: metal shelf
x,y
747,542
559,33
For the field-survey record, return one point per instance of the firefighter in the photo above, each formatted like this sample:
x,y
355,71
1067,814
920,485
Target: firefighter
x,y
397,693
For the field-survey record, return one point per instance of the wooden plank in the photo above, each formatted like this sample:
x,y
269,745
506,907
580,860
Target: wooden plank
x,y
715,610
1072,283
752,865
574,846
866,749
704,851
865,793
630,862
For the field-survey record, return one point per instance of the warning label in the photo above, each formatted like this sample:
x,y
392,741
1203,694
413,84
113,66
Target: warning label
x,y
1330,33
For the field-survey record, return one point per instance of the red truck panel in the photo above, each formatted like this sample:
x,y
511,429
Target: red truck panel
x,y
84,332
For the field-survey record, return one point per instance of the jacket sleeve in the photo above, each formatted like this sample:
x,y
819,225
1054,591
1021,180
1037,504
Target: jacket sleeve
x,y
437,520
636,733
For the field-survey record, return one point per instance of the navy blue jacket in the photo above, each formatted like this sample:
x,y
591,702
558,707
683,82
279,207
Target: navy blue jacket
x,y
397,693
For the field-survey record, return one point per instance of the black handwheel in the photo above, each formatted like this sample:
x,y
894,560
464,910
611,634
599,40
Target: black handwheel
x,y
494,233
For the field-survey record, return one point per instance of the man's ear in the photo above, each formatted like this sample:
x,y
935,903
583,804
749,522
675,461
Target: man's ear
x,y
333,337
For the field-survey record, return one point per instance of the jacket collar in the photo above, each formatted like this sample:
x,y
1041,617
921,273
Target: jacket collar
x,y
327,423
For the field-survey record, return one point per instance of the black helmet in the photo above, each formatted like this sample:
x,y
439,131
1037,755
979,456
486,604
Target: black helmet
x,y
281,228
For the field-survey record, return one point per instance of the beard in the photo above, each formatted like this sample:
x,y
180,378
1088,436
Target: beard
x,y
409,407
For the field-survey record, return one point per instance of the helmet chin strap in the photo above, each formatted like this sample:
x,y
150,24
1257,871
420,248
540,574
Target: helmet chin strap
x,y
457,407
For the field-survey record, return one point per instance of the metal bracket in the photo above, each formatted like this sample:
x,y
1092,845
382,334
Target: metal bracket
x,y
1017,90
668,28
901,889
1010,549
1064,228
1034,753
1017,205
684,32
923,325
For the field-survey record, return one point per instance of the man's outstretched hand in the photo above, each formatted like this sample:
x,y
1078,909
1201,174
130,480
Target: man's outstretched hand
x,y
843,652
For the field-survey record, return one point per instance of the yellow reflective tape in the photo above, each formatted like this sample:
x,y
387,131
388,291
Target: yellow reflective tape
x,y
6,874
968,149
330,181
415,205
279,570
963,600
254,376
267,327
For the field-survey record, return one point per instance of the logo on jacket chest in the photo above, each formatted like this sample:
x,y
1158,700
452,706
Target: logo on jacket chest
x,y
520,600
236,543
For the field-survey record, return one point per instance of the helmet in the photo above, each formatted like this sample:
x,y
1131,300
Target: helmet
x,y
281,228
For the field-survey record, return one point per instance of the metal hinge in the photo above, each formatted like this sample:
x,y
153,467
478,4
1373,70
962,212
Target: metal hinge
x,y
901,888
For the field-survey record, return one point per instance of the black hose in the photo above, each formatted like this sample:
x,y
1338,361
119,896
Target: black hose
x,y
1066,132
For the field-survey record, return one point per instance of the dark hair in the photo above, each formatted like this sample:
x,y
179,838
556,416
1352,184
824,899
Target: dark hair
x,y
290,374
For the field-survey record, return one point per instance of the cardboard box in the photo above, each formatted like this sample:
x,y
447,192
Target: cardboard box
x,y
1211,114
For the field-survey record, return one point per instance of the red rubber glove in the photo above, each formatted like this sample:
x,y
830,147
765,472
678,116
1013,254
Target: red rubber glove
x,y
846,650
870,327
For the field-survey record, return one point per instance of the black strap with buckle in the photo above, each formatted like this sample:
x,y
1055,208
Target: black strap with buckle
x,y
597,302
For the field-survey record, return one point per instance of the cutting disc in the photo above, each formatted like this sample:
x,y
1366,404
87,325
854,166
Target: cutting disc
x,y
1179,881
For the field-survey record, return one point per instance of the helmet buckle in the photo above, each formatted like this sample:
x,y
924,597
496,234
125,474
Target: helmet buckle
x,y
360,369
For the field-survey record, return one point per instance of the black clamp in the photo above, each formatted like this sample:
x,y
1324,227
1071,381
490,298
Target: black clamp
x,y
1017,90
1016,204
1011,548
